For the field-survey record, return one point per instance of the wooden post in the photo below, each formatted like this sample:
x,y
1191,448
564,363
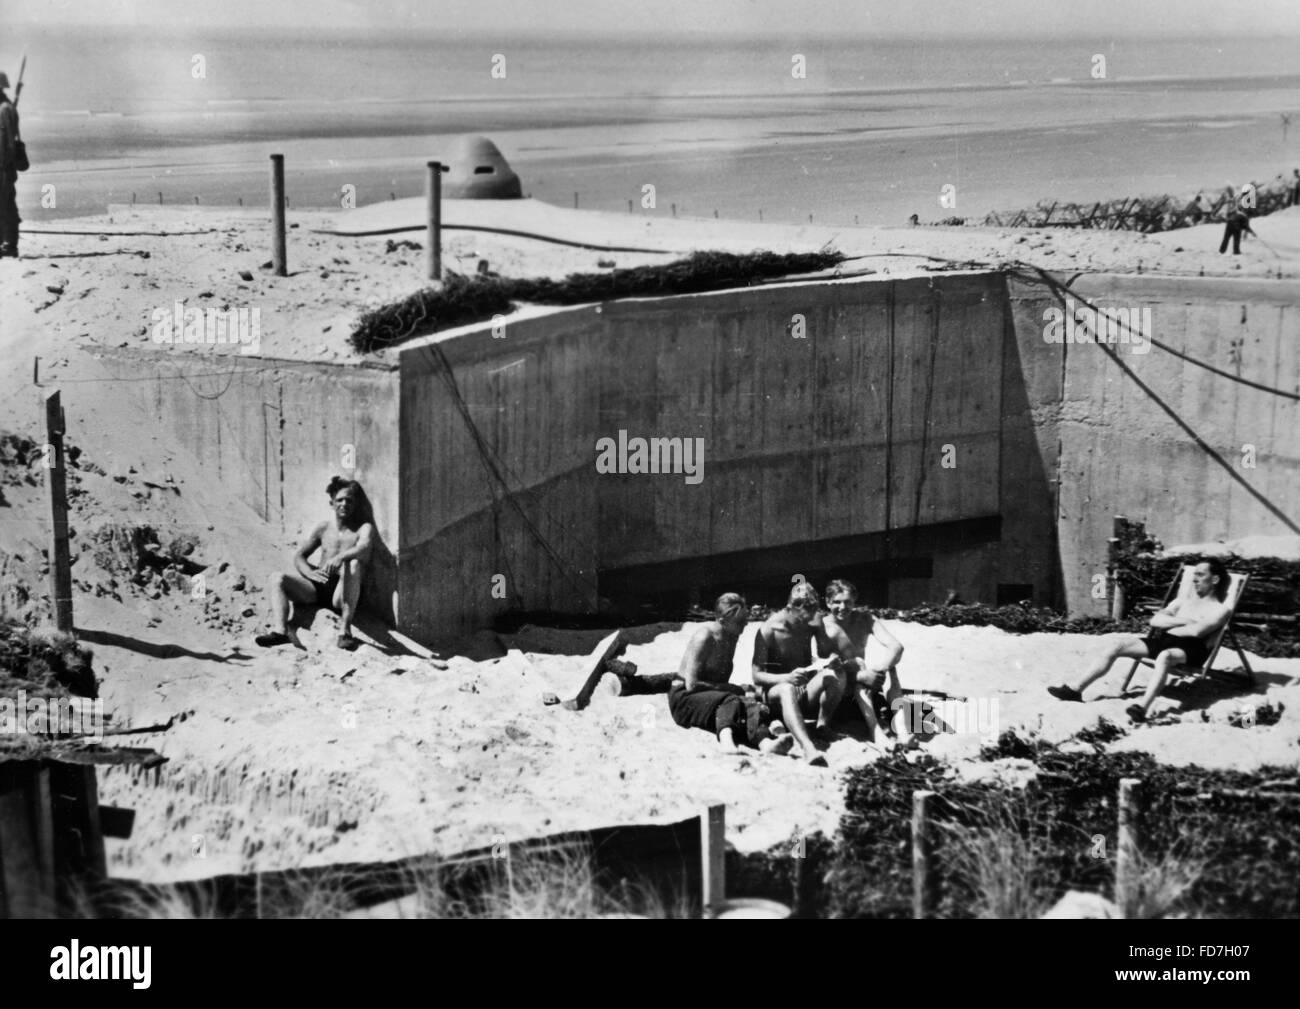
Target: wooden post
x,y
56,486
279,252
922,845
433,237
575,201
43,811
1112,581
713,835
1127,852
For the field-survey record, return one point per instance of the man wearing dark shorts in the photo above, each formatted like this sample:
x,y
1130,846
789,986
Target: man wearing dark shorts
x,y
345,543
1179,636
325,590
703,697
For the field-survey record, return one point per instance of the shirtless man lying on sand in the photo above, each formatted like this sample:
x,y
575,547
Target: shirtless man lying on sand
x,y
1178,636
787,675
865,681
704,699
345,542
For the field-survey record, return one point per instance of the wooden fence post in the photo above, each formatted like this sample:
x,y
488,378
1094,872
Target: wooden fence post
x,y
56,487
713,836
433,226
279,248
922,855
1127,869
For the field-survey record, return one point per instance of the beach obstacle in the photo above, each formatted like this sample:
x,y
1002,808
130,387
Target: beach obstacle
x,y
279,255
433,237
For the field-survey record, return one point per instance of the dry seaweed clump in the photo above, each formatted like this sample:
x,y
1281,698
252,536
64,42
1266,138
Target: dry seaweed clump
x,y
1213,843
44,663
463,300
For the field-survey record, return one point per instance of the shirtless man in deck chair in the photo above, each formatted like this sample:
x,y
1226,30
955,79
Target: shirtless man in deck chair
x,y
1178,636
345,542
787,675
865,682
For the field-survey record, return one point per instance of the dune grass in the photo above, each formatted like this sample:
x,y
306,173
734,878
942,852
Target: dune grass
x,y
557,881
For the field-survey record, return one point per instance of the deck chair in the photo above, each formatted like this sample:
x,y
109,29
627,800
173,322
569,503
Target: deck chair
x,y
1182,585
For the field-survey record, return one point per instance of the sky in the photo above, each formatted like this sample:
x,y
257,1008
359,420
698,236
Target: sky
x,y
930,18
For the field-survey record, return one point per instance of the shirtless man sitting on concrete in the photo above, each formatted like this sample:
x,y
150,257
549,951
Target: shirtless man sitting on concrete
x,y
865,680
702,697
788,676
1178,637
345,543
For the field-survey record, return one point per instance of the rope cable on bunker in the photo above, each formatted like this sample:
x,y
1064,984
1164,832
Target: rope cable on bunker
x,y
1200,442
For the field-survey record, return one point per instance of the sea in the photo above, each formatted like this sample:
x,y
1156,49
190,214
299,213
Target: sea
x,y
832,129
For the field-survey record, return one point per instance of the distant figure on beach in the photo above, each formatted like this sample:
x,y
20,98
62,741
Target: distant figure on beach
x,y
703,698
1235,224
9,138
1295,187
345,543
864,682
788,676
1177,637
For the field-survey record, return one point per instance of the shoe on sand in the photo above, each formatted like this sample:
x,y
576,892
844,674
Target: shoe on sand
x,y
1065,693
272,638
1136,712
347,642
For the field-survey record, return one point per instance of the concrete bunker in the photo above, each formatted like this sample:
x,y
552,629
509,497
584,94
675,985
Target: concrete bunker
x,y
824,455
476,170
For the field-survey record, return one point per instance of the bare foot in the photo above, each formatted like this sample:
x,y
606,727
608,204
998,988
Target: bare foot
x,y
814,757
779,746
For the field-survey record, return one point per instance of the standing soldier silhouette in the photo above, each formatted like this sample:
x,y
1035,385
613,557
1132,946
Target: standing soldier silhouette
x,y
1237,222
12,160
